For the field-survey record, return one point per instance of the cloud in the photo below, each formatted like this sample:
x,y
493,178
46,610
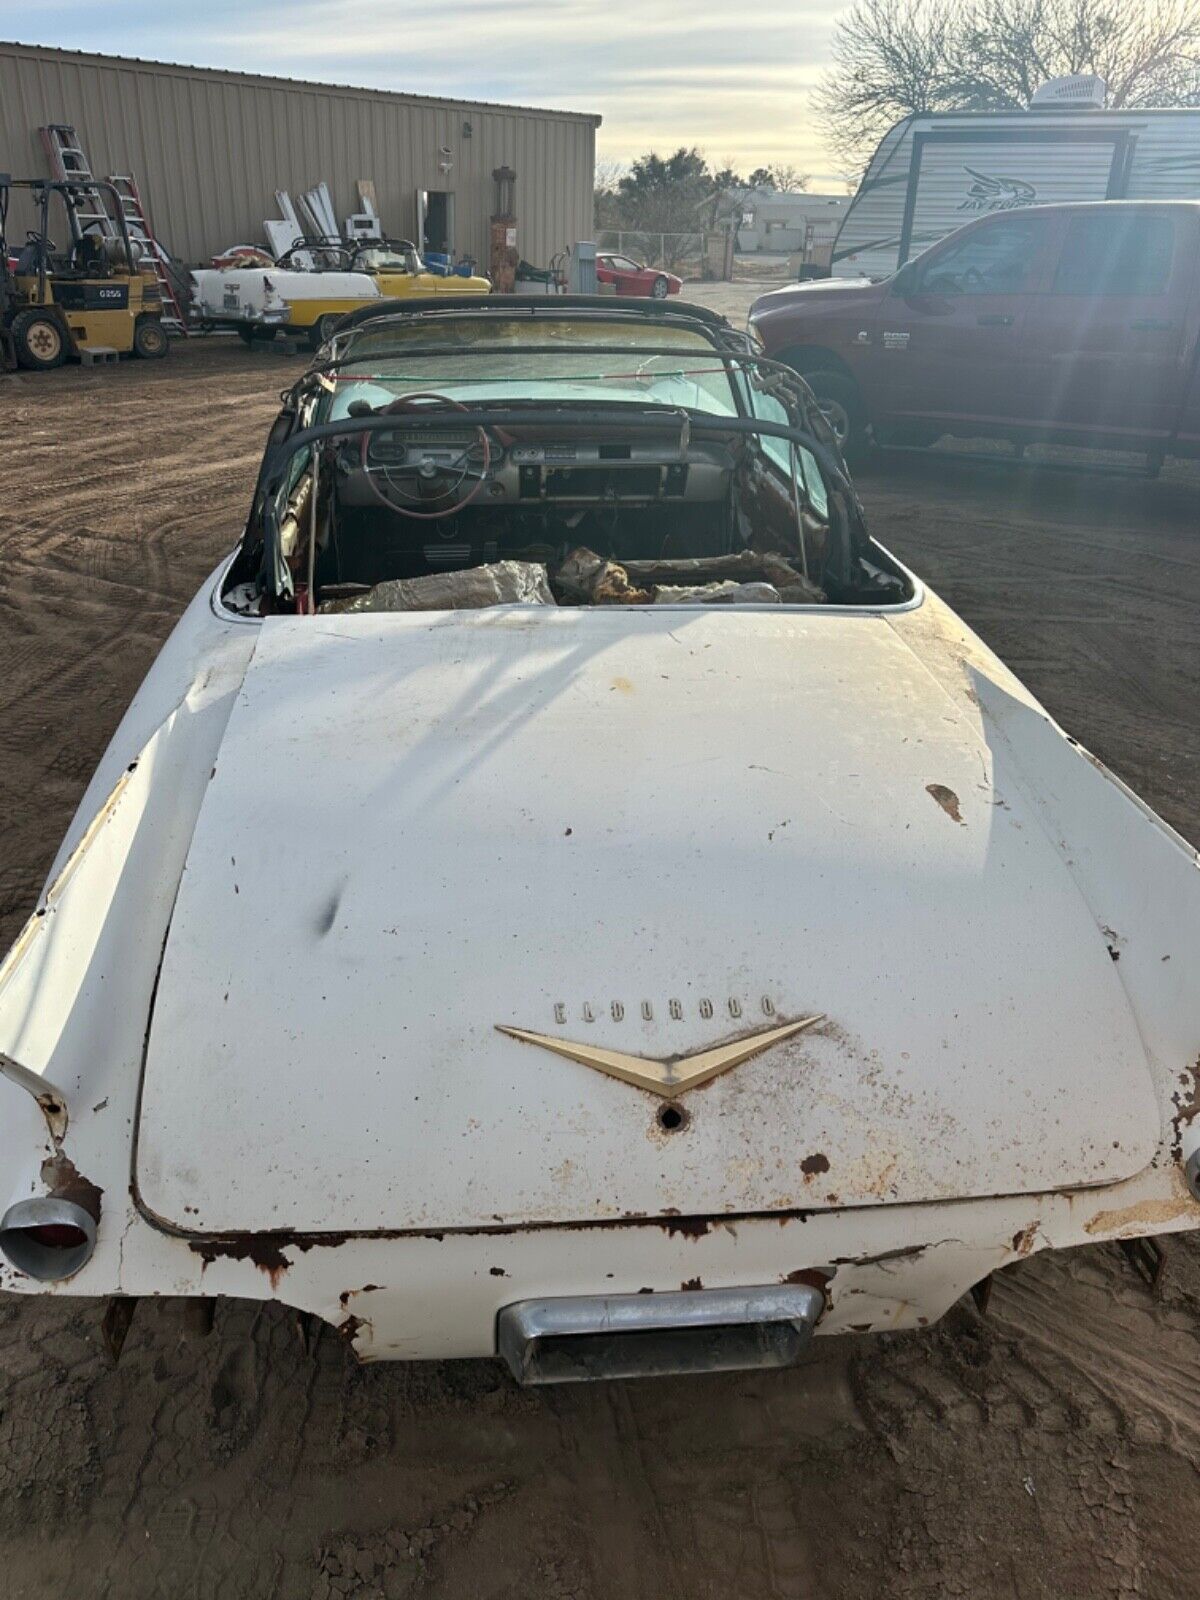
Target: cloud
x,y
662,73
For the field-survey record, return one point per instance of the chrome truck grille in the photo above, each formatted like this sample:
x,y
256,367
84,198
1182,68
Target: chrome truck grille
x,y
580,1339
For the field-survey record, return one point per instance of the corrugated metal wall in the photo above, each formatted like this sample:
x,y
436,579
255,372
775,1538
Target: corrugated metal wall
x,y
209,149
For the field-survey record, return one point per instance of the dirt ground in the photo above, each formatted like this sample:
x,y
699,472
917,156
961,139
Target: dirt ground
x,y
1048,1450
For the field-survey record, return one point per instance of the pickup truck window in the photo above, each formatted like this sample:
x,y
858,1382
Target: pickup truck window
x,y
996,259
1116,253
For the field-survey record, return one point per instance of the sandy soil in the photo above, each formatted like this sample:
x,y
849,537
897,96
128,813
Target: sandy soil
x,y
1049,1450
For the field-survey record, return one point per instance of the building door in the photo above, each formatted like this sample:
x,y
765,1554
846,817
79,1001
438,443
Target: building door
x,y
435,221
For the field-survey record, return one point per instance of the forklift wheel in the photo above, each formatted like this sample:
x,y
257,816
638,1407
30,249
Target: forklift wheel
x,y
149,339
38,340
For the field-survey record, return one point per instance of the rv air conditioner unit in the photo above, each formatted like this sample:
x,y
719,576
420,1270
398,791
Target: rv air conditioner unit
x,y
1081,91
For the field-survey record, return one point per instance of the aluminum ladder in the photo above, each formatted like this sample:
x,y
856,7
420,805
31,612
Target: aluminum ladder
x,y
137,224
85,204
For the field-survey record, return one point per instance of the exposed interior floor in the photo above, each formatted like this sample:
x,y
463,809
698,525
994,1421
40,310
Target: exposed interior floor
x,y
1048,1450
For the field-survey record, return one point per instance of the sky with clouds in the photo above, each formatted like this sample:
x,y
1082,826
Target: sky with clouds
x,y
662,73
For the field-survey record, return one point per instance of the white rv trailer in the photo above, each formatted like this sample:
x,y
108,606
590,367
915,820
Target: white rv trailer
x,y
935,171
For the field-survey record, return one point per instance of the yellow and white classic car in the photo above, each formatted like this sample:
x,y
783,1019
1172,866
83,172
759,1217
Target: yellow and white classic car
x,y
313,285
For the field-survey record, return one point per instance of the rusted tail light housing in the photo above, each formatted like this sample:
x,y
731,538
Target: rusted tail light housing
x,y
47,1238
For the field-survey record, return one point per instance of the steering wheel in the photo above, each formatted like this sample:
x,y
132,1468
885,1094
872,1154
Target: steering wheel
x,y
33,237
426,474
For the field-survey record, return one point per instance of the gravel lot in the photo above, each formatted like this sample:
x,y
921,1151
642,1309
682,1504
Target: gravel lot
x,y
1049,1450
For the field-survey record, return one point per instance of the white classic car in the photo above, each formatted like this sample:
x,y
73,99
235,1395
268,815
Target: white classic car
x,y
564,891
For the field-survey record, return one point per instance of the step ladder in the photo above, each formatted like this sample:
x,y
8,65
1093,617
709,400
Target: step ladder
x,y
137,224
86,209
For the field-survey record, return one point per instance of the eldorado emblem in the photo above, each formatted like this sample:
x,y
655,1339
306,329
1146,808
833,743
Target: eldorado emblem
x,y
674,1075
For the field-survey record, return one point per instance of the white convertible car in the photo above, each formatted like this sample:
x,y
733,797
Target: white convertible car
x,y
565,892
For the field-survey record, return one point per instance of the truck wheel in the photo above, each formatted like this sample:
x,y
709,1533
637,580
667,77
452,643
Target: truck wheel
x,y
38,340
149,339
841,400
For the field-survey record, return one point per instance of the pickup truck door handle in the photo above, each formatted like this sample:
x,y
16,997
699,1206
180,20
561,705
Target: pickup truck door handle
x,y
1158,324
998,320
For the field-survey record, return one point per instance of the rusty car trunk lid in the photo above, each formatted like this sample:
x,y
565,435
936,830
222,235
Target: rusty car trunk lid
x,y
643,833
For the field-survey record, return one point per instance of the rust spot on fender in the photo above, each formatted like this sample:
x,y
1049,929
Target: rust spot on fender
x,y
1023,1239
691,1283
1141,1218
1186,1101
947,799
349,1327
905,1253
65,1182
689,1227
811,1165
265,1251
348,1294
814,1277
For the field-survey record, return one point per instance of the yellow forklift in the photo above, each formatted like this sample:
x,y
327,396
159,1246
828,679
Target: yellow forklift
x,y
98,295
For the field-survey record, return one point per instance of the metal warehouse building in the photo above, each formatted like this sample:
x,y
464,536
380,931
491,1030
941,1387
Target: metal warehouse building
x,y
210,148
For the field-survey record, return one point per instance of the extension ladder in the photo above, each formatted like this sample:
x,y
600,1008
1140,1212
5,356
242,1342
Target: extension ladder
x,y
137,224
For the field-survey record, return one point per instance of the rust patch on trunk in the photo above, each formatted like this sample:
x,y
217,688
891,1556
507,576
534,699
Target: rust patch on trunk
x,y
349,1327
692,1283
947,799
811,1165
265,1252
65,1182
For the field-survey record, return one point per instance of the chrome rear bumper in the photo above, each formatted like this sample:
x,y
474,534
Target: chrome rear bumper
x,y
579,1339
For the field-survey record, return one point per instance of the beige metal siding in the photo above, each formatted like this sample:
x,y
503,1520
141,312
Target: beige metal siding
x,y
209,149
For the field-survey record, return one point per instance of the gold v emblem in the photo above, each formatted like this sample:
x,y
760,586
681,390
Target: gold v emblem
x,y
674,1075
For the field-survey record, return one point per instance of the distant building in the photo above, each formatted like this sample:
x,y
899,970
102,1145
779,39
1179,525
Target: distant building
x,y
209,149
787,224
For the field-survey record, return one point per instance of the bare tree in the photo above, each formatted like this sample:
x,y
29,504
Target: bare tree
x,y
894,57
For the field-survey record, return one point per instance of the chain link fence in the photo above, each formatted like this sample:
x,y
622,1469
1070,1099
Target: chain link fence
x,y
668,251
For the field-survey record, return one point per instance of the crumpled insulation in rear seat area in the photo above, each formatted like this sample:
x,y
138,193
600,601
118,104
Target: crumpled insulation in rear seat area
x,y
584,578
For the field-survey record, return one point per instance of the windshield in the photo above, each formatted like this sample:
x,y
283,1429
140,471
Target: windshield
x,y
571,457
511,358
388,260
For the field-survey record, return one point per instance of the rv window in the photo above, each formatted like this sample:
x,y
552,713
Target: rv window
x,y
998,258
1116,252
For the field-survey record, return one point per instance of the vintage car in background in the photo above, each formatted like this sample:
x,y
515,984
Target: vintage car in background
x,y
565,892
628,277
1077,324
314,284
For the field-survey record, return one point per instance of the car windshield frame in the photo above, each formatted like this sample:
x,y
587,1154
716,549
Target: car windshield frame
x,y
599,328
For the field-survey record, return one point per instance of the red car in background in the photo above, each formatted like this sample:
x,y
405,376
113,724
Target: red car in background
x,y
629,278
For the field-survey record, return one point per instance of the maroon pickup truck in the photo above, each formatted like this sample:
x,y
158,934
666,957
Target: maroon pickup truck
x,y
1078,324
